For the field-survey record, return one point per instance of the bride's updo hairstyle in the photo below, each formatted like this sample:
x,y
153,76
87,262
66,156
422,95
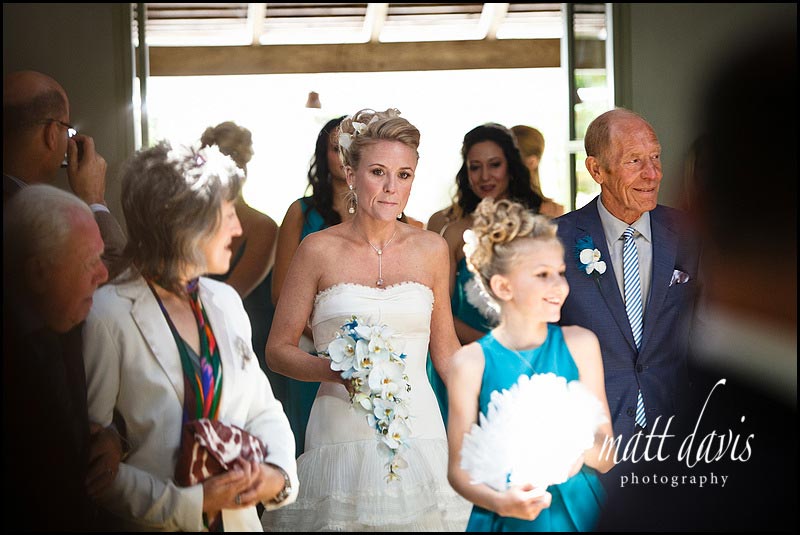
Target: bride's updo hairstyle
x,y
491,246
368,126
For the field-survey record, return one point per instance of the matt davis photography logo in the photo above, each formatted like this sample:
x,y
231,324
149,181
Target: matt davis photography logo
x,y
697,451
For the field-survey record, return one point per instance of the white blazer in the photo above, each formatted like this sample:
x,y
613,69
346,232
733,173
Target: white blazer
x,y
133,366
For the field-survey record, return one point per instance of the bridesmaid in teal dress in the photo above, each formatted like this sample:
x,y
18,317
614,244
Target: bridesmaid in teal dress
x,y
522,268
492,166
325,207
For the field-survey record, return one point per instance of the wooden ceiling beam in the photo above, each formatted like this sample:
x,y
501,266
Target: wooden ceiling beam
x,y
367,57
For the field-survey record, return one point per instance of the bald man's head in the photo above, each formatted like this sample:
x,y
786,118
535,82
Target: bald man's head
x,y
30,97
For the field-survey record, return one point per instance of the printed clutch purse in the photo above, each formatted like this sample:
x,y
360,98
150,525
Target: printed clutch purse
x,y
209,448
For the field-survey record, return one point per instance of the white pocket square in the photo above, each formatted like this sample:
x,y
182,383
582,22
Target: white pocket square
x,y
679,277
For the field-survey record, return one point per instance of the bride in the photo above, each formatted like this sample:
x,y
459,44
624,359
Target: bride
x,y
391,274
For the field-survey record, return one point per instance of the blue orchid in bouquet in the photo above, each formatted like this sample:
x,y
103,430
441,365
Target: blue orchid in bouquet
x,y
365,354
588,257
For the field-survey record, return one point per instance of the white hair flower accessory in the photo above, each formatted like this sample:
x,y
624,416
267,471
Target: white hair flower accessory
x,y
470,242
199,165
344,140
360,128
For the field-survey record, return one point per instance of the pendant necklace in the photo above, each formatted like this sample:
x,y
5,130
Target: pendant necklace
x,y
379,252
519,355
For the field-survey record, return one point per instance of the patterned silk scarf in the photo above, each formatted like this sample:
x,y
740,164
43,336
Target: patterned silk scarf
x,y
202,388
208,383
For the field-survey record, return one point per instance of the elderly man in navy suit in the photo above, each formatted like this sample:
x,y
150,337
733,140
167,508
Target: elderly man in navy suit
x,y
632,271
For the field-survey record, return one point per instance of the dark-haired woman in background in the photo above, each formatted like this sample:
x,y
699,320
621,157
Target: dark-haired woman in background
x,y
492,167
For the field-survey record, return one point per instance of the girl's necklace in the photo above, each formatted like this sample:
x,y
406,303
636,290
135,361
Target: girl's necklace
x,y
519,355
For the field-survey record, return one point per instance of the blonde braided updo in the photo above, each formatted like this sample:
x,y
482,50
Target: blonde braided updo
x,y
498,227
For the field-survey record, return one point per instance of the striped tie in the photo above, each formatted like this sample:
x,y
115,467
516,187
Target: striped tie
x,y
633,303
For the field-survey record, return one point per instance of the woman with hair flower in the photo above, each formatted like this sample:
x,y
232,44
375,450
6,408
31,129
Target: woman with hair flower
x,y
519,262
324,207
393,278
168,350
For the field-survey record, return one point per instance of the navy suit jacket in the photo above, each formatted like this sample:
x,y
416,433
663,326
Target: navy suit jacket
x,y
659,368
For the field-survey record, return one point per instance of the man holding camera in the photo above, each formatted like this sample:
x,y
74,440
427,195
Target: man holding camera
x,y
36,136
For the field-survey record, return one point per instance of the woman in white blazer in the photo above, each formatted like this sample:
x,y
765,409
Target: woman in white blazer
x,y
163,345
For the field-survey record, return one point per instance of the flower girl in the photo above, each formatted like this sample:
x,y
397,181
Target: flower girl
x,y
520,263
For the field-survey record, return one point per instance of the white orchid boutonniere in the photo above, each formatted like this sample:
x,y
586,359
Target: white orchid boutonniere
x,y
365,354
588,257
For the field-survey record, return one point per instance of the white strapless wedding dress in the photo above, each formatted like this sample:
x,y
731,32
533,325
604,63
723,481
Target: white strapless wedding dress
x,y
342,473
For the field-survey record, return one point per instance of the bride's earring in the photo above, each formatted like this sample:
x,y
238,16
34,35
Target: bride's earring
x,y
400,216
352,201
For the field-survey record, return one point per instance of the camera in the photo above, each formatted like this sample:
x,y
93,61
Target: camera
x,y
65,161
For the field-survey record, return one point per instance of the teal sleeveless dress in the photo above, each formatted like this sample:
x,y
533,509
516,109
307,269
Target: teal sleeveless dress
x,y
576,502
300,394
466,312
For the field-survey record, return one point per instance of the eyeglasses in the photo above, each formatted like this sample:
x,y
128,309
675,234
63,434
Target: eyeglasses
x,y
71,131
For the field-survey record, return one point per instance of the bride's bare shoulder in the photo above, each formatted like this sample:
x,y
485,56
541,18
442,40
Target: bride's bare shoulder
x,y
426,239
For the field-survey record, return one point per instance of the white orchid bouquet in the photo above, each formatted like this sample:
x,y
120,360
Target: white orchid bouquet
x,y
534,432
366,355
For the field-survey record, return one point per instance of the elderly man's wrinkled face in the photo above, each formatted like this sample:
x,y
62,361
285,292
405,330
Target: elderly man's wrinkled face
x,y
74,275
631,176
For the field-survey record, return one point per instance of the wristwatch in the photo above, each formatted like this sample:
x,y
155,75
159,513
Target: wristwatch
x,y
285,491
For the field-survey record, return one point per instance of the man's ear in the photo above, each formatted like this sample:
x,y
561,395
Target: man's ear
x,y
50,135
593,166
501,287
